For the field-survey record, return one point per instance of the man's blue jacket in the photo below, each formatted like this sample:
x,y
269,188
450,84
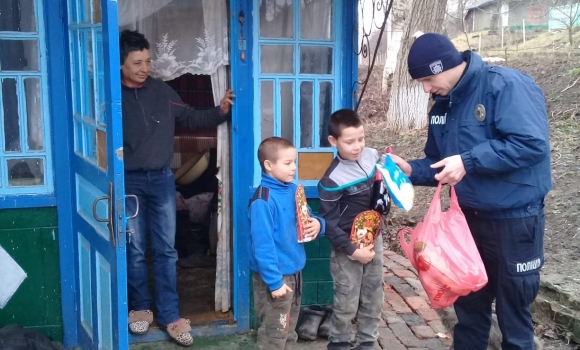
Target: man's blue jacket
x,y
496,119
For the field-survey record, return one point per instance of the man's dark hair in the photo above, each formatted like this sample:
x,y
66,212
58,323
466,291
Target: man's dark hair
x,y
131,41
343,118
269,149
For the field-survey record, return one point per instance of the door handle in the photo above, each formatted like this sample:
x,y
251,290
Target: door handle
x,y
109,219
136,207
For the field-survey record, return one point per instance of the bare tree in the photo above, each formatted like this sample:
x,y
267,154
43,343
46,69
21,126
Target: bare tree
x,y
395,27
408,102
455,14
566,12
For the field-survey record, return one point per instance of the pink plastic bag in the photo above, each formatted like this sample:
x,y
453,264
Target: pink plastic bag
x,y
444,254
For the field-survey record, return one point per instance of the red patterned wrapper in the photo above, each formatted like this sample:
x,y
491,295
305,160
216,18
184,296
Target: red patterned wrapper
x,y
365,228
302,214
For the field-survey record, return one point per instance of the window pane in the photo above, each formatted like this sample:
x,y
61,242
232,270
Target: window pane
x,y
287,110
34,114
101,106
306,114
17,16
26,172
90,142
72,12
276,19
82,74
96,11
78,137
85,10
19,55
102,149
315,60
11,115
277,59
316,19
267,108
75,72
88,88
325,102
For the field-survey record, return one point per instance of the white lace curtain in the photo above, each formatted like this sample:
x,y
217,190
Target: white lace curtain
x,y
183,39
191,36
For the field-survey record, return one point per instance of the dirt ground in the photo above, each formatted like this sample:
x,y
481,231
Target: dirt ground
x,y
562,251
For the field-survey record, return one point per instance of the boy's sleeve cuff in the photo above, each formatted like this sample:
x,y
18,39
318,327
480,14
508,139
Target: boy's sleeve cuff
x,y
350,249
322,225
276,286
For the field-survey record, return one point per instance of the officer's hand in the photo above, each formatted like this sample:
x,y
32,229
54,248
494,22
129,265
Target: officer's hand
x,y
278,293
226,103
401,163
453,170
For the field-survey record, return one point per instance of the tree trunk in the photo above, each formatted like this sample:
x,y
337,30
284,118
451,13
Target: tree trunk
x,y
395,28
408,102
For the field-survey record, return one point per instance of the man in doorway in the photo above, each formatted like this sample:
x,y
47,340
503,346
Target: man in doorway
x,y
488,136
150,111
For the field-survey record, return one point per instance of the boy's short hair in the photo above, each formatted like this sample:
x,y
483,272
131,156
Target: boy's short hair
x,y
343,118
269,148
131,41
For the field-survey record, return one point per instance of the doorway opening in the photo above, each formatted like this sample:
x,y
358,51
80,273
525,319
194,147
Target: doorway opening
x,y
195,63
195,168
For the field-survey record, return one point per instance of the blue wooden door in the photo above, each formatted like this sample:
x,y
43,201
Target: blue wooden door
x,y
99,214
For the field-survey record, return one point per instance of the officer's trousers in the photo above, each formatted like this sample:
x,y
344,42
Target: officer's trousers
x,y
512,251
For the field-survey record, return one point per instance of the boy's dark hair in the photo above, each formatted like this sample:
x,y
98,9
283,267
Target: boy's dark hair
x,y
269,148
131,41
343,118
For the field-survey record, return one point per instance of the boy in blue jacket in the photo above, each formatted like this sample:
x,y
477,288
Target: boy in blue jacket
x,y
276,257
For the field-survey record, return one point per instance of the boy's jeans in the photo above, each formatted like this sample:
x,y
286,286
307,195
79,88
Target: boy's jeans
x,y
278,317
357,288
157,214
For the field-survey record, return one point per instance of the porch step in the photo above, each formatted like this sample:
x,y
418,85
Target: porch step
x,y
556,302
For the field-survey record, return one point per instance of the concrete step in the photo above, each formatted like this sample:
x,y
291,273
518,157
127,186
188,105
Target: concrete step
x,y
556,302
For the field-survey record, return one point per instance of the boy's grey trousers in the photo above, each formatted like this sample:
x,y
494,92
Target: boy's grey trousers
x,y
358,292
278,317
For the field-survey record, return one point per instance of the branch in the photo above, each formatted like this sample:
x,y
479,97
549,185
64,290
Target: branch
x,y
370,69
521,3
574,83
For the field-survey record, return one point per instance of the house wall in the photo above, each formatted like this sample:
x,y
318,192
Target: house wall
x,y
534,16
30,237
482,19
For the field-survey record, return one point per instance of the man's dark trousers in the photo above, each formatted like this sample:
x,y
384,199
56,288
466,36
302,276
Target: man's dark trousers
x,y
512,251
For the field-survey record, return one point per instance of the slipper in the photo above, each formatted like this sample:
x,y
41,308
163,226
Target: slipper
x,y
180,332
139,321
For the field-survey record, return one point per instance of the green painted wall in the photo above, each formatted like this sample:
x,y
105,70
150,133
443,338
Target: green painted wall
x,y
317,281
30,236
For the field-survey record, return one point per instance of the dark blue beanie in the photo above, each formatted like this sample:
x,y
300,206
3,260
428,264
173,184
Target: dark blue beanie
x,y
432,54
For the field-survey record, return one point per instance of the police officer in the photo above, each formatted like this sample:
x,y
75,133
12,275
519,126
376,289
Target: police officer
x,y
488,137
